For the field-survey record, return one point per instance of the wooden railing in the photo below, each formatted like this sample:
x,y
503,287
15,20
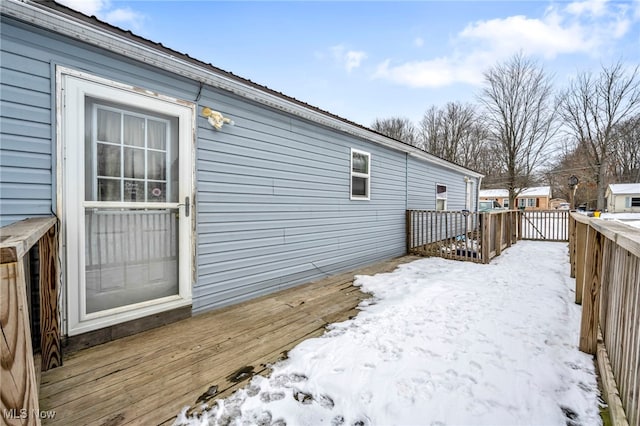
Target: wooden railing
x,y
461,235
547,225
19,373
605,260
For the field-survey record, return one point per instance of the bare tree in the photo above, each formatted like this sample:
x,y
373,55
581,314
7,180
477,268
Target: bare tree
x,y
593,107
476,153
429,130
397,128
571,161
626,155
519,111
450,132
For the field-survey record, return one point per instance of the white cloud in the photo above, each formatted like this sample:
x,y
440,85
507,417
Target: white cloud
x,y
354,59
587,27
548,37
349,59
418,42
124,17
88,7
433,73
587,7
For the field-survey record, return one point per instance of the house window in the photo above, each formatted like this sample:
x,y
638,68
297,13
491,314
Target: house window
x,y
505,202
635,201
522,202
360,175
441,197
531,202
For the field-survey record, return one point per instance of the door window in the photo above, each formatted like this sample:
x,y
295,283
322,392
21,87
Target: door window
x,y
130,156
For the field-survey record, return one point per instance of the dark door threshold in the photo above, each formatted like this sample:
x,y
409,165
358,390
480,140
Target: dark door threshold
x,y
97,337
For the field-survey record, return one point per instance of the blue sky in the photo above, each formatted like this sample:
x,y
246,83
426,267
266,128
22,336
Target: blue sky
x,y
367,60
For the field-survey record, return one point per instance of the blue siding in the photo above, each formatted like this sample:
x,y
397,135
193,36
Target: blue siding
x,y
274,208
421,188
25,135
27,129
272,191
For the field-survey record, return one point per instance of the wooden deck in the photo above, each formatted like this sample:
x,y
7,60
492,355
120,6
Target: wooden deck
x,y
149,377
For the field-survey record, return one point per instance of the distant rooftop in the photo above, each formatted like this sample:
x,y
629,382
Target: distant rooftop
x,y
497,193
536,191
624,188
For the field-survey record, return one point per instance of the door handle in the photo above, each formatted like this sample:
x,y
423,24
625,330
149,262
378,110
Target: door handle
x,y
186,205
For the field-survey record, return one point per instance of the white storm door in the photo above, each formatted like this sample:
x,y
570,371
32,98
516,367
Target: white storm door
x,y
127,210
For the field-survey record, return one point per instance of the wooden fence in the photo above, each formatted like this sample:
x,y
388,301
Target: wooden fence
x,y
461,235
547,225
605,260
19,372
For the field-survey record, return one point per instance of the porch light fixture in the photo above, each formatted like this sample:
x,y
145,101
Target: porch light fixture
x,y
215,118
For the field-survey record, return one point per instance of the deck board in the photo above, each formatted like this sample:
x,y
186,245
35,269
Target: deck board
x,y
149,377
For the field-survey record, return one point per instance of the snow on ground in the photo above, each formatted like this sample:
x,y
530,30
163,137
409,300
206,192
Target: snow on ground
x,y
631,219
440,343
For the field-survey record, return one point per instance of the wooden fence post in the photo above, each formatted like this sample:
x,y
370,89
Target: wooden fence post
x,y
572,246
520,214
499,233
508,229
49,326
486,237
608,248
408,231
591,296
581,244
19,389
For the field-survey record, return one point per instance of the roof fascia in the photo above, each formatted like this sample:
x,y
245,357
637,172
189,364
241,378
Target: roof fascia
x,y
59,22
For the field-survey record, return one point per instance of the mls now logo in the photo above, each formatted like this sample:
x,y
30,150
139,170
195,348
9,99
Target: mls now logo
x,y
23,414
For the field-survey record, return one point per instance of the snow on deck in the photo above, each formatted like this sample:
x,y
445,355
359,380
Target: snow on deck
x,y
440,343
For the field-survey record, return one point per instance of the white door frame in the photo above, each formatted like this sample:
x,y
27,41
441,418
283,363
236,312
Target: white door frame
x,y
71,89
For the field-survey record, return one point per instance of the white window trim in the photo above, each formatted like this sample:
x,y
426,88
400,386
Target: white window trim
x,y
441,197
353,174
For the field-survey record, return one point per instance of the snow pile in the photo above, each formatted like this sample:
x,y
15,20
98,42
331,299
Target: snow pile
x,y
441,343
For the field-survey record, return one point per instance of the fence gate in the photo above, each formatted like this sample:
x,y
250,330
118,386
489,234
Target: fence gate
x,y
547,225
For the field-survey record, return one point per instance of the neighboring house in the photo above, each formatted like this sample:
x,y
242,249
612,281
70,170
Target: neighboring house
x,y
536,198
165,205
623,198
499,195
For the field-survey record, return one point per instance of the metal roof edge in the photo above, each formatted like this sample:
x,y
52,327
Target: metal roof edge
x,y
62,23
